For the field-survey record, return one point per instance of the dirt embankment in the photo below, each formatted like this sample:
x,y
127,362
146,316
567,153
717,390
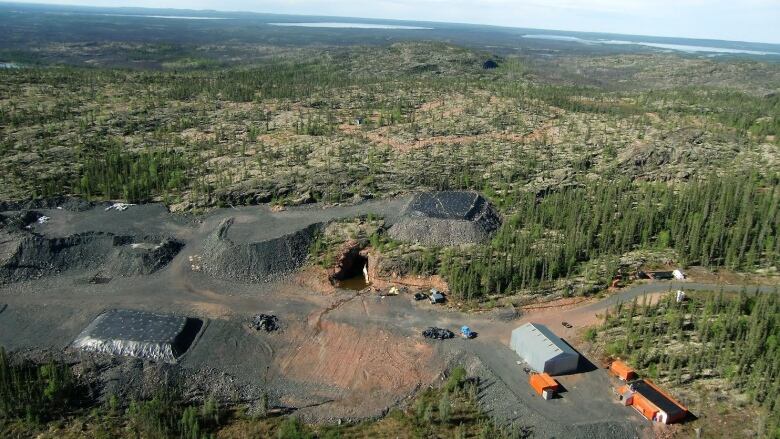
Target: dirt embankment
x,y
382,278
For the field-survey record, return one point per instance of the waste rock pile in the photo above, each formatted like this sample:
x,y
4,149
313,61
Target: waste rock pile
x,y
141,334
21,220
143,257
265,322
438,333
446,218
260,261
25,255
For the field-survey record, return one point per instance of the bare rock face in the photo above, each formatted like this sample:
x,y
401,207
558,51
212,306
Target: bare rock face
x,y
446,218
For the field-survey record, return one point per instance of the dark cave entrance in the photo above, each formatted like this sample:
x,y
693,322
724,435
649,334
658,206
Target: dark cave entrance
x,y
351,275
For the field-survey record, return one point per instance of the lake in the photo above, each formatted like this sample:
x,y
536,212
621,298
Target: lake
x,y
662,46
344,25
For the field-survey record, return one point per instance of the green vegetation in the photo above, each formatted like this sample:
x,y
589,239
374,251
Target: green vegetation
x,y
47,401
588,157
34,397
285,130
709,348
726,221
34,394
113,173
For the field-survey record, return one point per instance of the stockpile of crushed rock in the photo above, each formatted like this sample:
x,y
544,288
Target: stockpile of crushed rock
x,y
25,255
255,261
446,218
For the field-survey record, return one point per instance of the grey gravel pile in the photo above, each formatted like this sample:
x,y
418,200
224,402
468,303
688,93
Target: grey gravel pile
x,y
255,261
446,218
25,255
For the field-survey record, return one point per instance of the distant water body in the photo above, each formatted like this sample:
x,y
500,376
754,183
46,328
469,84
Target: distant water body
x,y
351,25
172,17
664,46
8,65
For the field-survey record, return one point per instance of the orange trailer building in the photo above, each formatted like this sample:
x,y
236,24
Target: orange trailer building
x,y
652,402
622,370
544,385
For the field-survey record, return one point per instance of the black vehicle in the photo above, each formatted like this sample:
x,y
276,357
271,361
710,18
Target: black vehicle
x,y
438,333
420,296
566,324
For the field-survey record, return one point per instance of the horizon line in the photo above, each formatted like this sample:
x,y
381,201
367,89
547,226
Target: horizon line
x,y
233,11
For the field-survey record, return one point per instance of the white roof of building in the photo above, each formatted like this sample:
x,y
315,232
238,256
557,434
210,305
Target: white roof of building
x,y
542,350
544,341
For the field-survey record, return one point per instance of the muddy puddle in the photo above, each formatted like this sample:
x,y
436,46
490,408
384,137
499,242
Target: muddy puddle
x,y
357,283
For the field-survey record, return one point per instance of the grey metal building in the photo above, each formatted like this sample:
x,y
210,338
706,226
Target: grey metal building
x,y
544,351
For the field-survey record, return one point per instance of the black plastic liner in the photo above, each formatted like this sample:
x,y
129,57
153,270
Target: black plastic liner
x,y
152,336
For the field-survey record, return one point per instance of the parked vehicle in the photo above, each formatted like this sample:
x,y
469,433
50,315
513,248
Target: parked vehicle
x,y
438,333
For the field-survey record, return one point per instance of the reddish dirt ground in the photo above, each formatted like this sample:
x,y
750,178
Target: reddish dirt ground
x,y
371,365
315,279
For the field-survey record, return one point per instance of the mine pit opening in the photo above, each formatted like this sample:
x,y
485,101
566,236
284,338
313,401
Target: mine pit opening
x,y
351,276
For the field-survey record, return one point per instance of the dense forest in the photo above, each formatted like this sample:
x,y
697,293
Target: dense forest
x,y
729,221
709,337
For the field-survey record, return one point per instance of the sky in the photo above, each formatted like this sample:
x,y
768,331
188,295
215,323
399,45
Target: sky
x,y
738,20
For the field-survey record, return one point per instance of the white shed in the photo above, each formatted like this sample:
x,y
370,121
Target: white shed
x,y
542,350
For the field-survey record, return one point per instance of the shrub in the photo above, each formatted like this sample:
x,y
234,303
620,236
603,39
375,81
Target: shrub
x,y
456,379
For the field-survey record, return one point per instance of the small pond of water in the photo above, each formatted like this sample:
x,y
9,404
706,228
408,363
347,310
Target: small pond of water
x,y
356,283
